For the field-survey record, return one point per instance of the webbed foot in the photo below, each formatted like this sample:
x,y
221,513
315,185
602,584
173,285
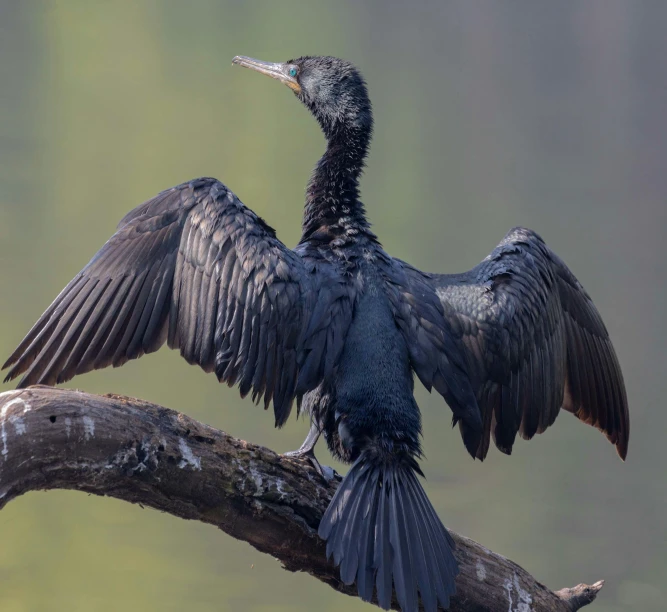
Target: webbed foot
x,y
307,452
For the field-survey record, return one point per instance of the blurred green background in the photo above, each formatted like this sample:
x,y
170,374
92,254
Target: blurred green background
x,y
546,114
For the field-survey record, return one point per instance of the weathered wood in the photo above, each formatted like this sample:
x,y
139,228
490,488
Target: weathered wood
x,y
146,454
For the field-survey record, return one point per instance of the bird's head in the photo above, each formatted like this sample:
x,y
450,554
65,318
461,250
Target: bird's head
x,y
332,88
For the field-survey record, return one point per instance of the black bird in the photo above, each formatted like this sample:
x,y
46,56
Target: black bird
x,y
341,326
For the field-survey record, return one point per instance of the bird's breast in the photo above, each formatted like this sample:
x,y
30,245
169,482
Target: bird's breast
x,y
373,383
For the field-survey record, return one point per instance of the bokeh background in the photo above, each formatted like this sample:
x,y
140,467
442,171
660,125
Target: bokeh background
x,y
551,115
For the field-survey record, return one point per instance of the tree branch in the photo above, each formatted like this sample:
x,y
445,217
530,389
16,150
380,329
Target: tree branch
x,y
146,454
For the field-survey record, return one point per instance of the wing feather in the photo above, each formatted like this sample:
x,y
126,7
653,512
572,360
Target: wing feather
x,y
526,337
196,268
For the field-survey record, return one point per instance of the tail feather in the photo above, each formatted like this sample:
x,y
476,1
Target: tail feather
x,y
349,565
383,559
404,549
439,542
365,571
424,550
348,509
382,530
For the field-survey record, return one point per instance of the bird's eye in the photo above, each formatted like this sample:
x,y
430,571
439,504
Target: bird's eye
x,y
293,71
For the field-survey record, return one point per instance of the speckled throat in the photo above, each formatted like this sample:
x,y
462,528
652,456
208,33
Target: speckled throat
x,y
333,213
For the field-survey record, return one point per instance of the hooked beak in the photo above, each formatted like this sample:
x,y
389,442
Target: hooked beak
x,y
275,71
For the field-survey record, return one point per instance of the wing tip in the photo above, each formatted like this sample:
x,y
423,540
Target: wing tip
x,y
13,374
9,375
622,448
619,436
12,360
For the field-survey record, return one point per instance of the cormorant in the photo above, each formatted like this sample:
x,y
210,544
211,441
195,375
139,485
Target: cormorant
x,y
341,326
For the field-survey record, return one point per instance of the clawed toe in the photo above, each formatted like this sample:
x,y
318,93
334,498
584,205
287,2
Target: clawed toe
x,y
307,452
327,473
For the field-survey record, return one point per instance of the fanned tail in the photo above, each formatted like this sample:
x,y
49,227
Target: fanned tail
x,y
382,530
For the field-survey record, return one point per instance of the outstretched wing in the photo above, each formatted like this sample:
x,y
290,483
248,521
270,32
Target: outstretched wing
x,y
528,338
195,267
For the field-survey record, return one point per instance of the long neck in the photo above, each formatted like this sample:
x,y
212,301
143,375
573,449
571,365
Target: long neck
x,y
333,213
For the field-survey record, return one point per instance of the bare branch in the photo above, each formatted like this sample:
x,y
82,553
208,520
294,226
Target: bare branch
x,y
146,454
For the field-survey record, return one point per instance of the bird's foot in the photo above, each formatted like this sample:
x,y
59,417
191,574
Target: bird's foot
x,y
327,473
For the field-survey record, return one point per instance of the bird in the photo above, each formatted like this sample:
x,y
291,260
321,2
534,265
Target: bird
x,y
340,328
